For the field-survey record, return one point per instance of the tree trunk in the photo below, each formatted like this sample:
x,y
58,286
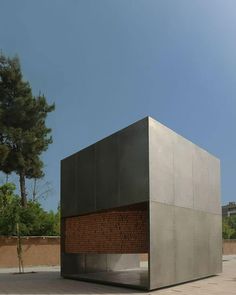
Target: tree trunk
x,y
19,249
23,189
34,190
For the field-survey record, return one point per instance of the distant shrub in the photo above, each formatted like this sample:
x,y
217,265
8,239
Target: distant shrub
x,y
229,227
33,220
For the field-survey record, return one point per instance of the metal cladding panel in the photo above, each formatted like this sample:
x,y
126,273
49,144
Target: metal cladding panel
x,y
162,243
68,196
110,173
122,261
181,173
161,163
72,263
75,264
201,244
215,244
107,173
133,163
183,167
184,244
95,262
85,181
214,205
201,180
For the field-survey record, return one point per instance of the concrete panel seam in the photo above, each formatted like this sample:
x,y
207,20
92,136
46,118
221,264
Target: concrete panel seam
x,y
198,210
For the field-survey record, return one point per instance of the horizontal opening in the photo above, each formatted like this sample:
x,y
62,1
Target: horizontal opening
x,y
110,246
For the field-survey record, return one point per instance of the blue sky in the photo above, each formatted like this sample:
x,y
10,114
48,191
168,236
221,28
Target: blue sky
x,y
108,63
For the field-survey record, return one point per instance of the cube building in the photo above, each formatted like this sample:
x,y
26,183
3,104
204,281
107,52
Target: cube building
x,y
141,208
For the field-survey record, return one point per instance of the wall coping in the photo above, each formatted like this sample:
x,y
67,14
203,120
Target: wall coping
x,y
30,237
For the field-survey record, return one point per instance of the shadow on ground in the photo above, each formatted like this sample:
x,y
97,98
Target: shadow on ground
x,y
51,283
48,281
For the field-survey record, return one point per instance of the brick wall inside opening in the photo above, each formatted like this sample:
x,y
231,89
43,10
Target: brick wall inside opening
x,y
120,230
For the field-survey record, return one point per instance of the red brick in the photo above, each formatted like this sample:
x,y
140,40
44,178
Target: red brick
x,y
120,230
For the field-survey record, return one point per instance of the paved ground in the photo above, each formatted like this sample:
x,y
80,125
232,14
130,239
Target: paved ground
x,y
48,281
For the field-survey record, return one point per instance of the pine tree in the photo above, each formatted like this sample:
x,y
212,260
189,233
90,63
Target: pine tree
x,y
23,131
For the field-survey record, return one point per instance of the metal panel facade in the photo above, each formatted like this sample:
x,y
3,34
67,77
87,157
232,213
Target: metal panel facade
x,y
181,183
110,173
185,243
162,243
133,156
161,163
85,181
107,173
68,200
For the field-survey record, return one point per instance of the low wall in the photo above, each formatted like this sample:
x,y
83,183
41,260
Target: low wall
x,y
36,251
46,251
229,247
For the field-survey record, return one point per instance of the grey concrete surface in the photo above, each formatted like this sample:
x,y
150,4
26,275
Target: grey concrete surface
x,y
47,280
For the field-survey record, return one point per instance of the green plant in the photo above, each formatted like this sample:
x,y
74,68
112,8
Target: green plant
x,y
229,227
33,220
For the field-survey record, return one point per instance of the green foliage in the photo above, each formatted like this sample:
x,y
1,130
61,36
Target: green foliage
x,y
9,209
23,131
229,227
33,220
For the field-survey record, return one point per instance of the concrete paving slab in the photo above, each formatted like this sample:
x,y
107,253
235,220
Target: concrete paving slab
x,y
47,280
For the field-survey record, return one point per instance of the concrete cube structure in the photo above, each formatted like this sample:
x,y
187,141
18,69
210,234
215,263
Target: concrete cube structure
x,y
141,208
